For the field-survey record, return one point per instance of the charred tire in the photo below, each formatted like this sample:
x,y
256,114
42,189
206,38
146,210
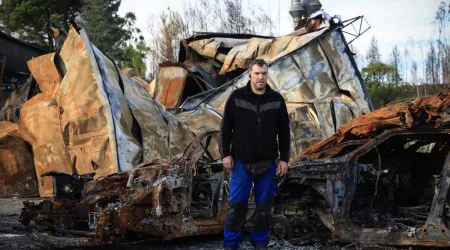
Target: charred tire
x,y
281,228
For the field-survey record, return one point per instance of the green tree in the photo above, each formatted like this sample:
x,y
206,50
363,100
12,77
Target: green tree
x,y
133,34
134,57
106,29
380,80
136,50
31,19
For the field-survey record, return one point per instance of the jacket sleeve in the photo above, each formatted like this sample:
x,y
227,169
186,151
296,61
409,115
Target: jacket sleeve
x,y
284,134
226,128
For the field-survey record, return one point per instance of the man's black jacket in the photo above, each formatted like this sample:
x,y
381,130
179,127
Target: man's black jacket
x,y
251,124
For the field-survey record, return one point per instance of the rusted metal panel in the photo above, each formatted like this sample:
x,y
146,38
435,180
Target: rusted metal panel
x,y
403,115
394,116
171,81
46,74
134,74
17,175
163,136
86,120
108,80
81,121
206,47
39,119
96,119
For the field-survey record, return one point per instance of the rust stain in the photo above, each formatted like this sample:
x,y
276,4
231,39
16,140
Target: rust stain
x,y
17,175
45,73
49,151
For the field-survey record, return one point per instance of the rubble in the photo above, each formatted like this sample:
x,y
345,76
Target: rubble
x,y
366,184
126,159
162,199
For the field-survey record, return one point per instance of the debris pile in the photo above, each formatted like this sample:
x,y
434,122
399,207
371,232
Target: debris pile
x,y
383,177
126,159
86,116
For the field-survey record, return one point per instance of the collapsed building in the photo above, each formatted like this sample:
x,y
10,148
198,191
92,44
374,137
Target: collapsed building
x,y
89,117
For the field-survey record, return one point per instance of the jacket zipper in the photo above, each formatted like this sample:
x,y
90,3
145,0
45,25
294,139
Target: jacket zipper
x,y
259,127
259,122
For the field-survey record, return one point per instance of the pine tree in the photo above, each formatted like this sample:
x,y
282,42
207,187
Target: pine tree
x,y
136,50
105,28
31,19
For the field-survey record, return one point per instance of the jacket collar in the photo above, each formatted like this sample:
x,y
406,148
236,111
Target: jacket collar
x,y
248,89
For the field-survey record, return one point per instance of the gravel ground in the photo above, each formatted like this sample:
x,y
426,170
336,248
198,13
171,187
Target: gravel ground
x,y
12,236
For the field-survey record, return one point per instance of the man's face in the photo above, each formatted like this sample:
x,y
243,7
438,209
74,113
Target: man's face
x,y
258,77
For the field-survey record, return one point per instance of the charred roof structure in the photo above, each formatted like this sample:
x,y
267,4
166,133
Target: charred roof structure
x,y
14,54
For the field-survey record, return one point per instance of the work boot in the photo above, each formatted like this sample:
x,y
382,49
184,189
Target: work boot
x,y
261,247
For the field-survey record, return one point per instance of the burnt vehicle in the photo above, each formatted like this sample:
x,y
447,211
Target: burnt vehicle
x,y
381,179
186,196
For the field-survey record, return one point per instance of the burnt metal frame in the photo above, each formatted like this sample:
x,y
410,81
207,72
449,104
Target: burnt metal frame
x,y
336,178
357,32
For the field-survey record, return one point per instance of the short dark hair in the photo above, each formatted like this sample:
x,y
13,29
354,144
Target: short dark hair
x,y
260,62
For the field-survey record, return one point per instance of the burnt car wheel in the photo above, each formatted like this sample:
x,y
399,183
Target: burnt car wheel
x,y
281,228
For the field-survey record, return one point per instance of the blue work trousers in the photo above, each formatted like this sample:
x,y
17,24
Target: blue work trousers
x,y
240,186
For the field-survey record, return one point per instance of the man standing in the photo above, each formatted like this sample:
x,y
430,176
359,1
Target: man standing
x,y
255,126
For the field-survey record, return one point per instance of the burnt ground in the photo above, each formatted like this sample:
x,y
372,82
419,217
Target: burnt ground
x,y
13,236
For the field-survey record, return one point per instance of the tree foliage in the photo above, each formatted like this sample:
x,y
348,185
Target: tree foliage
x,y
380,82
135,52
31,19
134,57
106,29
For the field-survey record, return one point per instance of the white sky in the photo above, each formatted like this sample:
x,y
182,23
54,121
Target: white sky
x,y
393,22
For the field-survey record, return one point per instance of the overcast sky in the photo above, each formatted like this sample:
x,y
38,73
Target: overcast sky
x,y
393,22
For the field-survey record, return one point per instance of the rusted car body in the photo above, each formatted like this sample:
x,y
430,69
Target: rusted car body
x,y
186,196
381,179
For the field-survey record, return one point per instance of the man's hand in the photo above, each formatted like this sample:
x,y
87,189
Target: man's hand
x,y
282,168
228,162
